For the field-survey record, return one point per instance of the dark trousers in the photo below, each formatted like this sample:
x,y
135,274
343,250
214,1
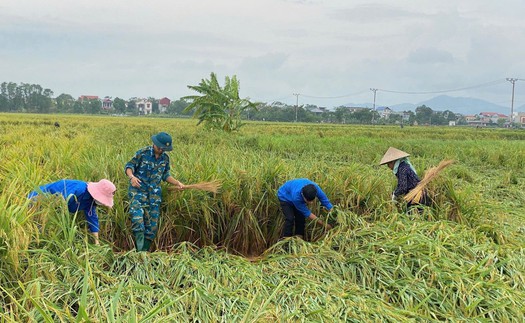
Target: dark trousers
x,y
292,217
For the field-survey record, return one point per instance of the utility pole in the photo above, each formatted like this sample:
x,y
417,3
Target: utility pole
x,y
296,104
513,81
374,110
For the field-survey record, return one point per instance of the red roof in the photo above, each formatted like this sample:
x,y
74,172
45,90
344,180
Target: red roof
x,y
492,114
164,101
88,97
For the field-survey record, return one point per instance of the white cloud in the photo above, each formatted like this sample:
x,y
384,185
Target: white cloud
x,y
276,47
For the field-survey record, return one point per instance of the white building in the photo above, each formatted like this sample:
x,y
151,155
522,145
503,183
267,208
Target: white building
x,y
144,106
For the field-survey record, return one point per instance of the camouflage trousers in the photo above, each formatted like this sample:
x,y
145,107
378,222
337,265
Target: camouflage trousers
x,y
144,210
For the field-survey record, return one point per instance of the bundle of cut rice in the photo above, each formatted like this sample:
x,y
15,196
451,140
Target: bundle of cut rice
x,y
414,196
212,186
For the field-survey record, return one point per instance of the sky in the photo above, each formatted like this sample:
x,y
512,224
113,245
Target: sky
x,y
323,52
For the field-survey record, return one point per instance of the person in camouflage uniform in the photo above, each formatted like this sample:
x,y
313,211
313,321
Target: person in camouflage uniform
x,y
146,170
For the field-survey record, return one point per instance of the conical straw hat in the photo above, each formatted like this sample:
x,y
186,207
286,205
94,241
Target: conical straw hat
x,y
392,154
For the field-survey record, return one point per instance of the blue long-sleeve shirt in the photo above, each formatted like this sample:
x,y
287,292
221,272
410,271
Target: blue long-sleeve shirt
x,y
407,179
77,196
290,192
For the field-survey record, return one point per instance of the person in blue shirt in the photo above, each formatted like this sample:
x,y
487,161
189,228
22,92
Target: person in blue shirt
x,y
81,196
146,170
407,179
294,197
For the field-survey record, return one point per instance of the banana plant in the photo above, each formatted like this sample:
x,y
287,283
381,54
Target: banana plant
x,y
218,107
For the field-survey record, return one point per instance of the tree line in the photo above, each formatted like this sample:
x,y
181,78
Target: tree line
x,y
33,98
25,98
278,111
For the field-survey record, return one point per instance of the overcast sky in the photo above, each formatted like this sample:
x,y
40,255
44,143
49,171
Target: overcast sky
x,y
331,52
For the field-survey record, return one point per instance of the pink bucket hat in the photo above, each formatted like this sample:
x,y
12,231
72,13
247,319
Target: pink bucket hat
x,y
102,191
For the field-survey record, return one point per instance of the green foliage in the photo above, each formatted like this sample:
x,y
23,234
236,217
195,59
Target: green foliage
x,y
178,107
424,115
218,107
132,107
25,98
119,105
65,103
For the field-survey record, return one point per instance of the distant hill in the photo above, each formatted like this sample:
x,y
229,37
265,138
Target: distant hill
x,y
461,105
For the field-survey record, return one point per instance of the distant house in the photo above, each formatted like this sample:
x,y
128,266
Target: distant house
x,y
355,109
278,104
88,97
107,103
405,115
520,119
144,106
492,117
164,104
476,120
319,110
384,112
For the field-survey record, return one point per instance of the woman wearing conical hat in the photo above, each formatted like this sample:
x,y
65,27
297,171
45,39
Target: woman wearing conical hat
x,y
407,179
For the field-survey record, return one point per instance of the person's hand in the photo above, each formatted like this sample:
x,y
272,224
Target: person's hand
x,y
135,181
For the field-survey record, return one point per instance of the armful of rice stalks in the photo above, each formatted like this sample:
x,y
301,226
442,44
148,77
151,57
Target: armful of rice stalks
x,y
415,194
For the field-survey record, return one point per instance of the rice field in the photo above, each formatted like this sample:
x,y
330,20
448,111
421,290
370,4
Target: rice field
x,y
218,256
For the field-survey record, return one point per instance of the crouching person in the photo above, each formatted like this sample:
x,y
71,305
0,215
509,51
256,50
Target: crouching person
x,y
294,197
81,196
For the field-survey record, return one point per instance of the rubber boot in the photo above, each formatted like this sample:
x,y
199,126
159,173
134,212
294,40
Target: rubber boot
x,y
139,240
147,243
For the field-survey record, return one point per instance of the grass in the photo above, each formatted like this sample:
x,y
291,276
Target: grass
x,y
218,256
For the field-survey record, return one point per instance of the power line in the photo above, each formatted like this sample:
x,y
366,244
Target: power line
x,y
491,83
494,82
445,91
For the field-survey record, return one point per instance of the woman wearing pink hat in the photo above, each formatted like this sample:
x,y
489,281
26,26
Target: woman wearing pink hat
x,y
82,196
